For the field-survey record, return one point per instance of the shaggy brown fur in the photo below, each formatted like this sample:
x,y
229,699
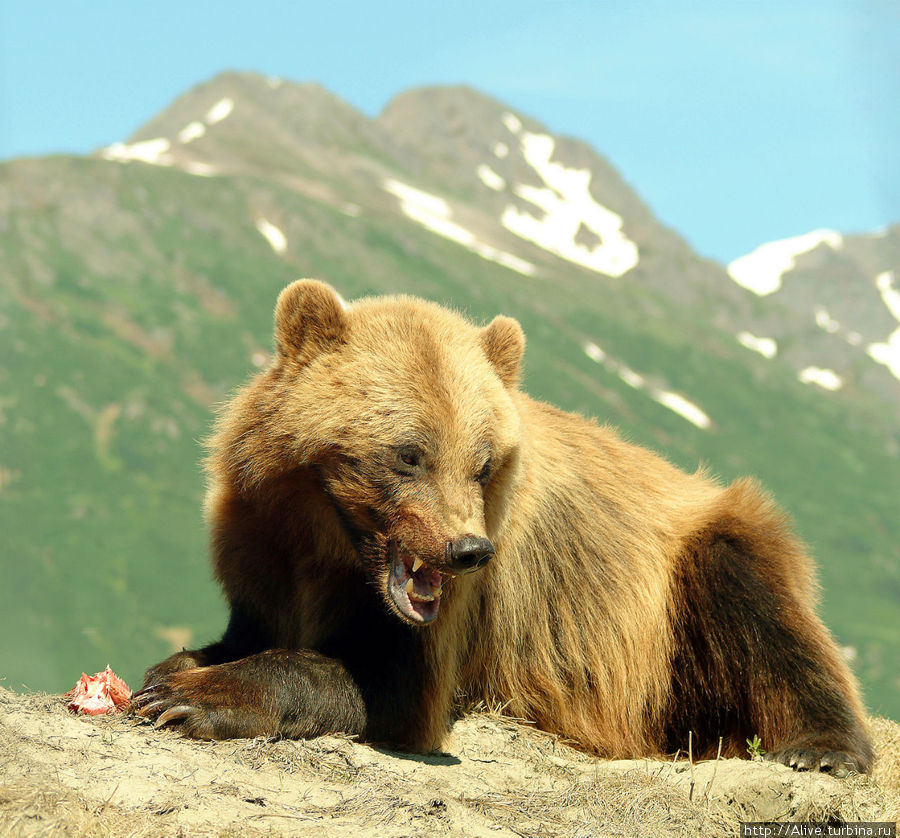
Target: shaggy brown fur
x,y
361,484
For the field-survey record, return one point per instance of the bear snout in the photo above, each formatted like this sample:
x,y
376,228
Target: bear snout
x,y
468,553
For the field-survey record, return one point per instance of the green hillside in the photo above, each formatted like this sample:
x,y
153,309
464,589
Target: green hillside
x,y
134,297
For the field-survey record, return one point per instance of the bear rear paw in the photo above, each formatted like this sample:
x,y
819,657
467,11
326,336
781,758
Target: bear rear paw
x,y
836,763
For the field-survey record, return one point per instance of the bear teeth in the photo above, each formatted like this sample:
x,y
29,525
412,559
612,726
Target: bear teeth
x,y
416,564
415,596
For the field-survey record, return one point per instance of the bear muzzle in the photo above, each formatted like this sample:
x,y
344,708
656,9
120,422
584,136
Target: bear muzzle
x,y
415,588
468,553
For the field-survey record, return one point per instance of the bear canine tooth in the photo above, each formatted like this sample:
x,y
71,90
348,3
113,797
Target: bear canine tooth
x,y
410,585
416,564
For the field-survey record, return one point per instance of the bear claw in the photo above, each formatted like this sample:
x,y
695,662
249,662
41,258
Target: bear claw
x,y
177,713
144,695
156,706
836,763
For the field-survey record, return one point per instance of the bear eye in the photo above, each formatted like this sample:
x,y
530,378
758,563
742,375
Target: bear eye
x,y
485,474
409,459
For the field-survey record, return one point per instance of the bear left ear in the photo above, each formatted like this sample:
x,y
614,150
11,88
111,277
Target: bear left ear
x,y
309,317
503,342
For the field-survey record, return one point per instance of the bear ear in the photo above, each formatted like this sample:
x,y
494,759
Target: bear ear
x,y
504,343
309,318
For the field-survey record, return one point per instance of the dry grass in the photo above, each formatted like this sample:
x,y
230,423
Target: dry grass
x,y
633,804
51,812
887,744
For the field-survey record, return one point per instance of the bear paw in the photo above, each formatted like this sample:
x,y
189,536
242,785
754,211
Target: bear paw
x,y
206,703
179,662
836,763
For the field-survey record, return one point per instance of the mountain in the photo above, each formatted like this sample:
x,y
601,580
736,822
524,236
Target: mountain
x,y
845,297
136,291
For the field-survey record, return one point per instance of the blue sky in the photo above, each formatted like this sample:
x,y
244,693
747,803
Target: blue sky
x,y
737,122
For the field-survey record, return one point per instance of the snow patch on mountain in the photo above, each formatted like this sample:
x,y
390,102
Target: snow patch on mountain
x,y
761,270
434,214
631,378
199,168
155,152
675,402
219,111
825,321
490,178
196,129
767,347
594,352
888,351
824,378
890,296
512,122
276,239
424,202
566,205
683,407
192,131
501,150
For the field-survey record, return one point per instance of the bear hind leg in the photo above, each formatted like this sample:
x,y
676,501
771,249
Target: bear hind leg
x,y
752,659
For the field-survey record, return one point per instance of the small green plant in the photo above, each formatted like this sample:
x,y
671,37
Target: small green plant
x,y
754,748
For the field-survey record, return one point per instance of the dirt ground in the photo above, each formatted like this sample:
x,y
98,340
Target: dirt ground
x,y
115,776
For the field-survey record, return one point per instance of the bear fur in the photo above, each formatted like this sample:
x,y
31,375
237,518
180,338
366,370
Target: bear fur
x,y
400,531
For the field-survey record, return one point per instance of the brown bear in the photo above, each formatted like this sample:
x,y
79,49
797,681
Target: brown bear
x,y
400,530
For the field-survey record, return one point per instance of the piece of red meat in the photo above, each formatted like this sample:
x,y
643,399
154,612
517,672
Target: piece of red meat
x,y
103,692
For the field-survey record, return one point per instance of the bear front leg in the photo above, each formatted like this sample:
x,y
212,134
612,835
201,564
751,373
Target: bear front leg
x,y
369,679
295,694
244,636
179,662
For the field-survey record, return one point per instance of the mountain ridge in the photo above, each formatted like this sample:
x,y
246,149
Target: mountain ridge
x,y
443,135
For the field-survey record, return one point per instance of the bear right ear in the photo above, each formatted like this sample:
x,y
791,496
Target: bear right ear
x,y
309,318
503,342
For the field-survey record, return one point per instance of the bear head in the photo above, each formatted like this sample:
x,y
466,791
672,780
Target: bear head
x,y
405,412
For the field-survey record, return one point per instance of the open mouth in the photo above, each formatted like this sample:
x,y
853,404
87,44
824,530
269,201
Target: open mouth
x,y
415,588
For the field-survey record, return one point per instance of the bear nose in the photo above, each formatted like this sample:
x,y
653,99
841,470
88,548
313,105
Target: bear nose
x,y
468,553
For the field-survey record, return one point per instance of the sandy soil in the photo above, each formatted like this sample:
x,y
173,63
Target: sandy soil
x,y
62,775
